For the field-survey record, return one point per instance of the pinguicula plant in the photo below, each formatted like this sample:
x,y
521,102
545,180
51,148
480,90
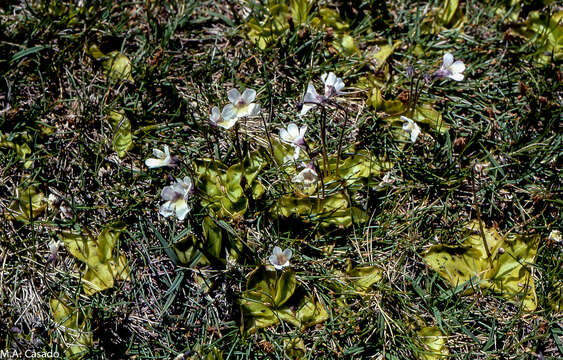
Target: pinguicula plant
x,y
333,86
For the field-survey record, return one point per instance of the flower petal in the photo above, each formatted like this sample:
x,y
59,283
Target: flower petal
x,y
227,124
158,154
277,250
293,131
457,67
306,108
168,193
287,253
155,163
215,115
329,79
338,85
229,112
306,176
415,132
296,151
182,209
166,209
311,96
234,96
302,131
254,109
456,76
284,135
248,96
448,60
274,261
188,184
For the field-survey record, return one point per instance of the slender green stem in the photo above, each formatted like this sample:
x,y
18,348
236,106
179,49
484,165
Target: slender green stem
x,y
481,229
323,141
339,153
239,152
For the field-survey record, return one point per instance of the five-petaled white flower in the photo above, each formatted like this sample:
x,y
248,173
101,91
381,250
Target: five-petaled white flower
x,y
279,258
176,196
295,137
307,176
333,85
163,158
240,106
451,69
411,128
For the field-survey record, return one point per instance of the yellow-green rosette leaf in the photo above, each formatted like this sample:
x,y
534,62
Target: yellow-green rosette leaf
x,y
28,205
122,138
102,266
378,56
512,276
300,10
432,343
425,114
213,237
507,272
18,143
294,348
73,325
364,277
285,287
116,64
310,312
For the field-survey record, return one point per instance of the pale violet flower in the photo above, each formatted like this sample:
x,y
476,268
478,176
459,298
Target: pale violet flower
x,y
163,158
411,128
279,258
333,85
294,136
240,106
311,99
451,69
176,196
307,176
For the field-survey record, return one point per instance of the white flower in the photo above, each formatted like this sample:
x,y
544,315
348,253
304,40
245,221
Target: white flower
x,y
311,99
293,135
307,176
53,249
451,69
411,128
240,106
279,258
176,196
333,85
163,158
